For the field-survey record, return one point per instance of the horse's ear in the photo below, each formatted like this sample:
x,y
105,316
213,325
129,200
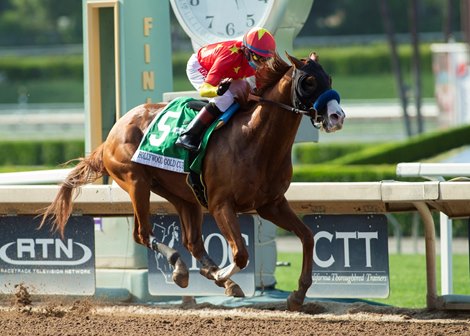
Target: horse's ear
x,y
314,56
295,62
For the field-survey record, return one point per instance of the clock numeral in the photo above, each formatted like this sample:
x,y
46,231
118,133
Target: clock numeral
x,y
250,22
230,29
194,2
210,19
265,1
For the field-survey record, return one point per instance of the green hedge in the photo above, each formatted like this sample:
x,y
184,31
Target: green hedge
x,y
415,149
37,67
359,60
40,153
352,60
340,173
305,153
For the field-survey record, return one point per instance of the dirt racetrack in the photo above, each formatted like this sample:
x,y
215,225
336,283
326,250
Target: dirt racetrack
x,y
55,317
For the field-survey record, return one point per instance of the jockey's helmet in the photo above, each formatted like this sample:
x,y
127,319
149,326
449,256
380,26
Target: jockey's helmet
x,y
260,42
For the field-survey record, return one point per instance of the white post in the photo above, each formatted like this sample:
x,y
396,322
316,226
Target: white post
x,y
446,254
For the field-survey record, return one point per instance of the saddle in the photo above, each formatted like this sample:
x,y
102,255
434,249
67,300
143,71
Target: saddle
x,y
197,104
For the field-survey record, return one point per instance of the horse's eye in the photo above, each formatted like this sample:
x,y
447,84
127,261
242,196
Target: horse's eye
x,y
309,83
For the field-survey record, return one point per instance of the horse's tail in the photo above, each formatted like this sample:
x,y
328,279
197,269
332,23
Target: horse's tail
x,y
88,170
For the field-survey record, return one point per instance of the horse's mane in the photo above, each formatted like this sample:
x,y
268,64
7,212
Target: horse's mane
x,y
270,73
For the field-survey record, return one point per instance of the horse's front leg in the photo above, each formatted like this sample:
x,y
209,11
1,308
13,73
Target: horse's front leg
x,y
210,270
228,224
281,214
191,222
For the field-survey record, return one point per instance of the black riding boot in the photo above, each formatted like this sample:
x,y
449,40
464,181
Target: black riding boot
x,y
192,136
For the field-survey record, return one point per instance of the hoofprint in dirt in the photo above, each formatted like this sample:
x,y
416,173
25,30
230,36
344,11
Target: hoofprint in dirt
x,y
87,317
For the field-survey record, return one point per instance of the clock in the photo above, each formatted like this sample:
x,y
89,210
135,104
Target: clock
x,y
210,21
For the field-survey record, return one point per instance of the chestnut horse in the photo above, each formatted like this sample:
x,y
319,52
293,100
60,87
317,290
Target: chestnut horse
x,y
247,167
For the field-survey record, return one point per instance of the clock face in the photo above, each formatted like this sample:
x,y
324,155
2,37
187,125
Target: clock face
x,y
209,21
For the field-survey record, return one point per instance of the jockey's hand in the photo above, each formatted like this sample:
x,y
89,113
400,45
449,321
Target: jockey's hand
x,y
224,86
207,90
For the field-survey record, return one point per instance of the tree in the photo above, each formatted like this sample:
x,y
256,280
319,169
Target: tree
x,y
401,88
414,23
40,22
352,17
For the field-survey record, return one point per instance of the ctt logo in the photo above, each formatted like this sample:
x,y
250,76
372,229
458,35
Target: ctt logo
x,y
45,252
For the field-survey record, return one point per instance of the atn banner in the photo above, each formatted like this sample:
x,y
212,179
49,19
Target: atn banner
x,y
43,262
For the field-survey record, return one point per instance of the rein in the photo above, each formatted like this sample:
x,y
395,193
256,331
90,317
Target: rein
x,y
315,118
284,106
300,106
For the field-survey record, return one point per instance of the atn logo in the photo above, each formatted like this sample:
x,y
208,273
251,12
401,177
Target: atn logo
x,y
45,252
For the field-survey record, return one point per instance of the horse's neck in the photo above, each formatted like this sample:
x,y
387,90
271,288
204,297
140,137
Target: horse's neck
x,y
276,126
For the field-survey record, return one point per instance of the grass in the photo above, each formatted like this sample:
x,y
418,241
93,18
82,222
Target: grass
x,y
407,278
42,91
11,169
376,86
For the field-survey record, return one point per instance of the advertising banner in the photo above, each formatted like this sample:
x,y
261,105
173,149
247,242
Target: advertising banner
x,y
167,230
350,256
44,263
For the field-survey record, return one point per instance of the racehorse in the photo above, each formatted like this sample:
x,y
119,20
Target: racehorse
x,y
247,167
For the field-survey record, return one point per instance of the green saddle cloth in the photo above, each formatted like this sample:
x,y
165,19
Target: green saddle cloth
x,y
157,148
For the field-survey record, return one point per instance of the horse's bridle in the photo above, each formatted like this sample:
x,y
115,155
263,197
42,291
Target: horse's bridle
x,y
300,107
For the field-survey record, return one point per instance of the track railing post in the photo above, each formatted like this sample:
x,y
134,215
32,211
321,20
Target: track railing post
x,y
430,246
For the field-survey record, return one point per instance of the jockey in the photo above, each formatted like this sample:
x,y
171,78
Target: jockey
x,y
206,69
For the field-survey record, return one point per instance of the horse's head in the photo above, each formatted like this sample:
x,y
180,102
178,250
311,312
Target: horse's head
x,y
311,91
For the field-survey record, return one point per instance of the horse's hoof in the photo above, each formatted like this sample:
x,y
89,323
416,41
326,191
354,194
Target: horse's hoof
x,y
181,279
293,302
232,289
180,274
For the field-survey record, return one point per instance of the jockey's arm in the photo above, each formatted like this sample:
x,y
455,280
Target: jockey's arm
x,y
208,90
215,75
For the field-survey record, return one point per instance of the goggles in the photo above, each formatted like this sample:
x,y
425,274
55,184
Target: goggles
x,y
258,58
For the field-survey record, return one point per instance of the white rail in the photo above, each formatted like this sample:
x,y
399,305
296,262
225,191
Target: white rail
x,y
34,177
438,172
433,171
452,198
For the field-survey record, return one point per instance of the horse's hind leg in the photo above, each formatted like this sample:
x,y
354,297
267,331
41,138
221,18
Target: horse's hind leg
x,y
283,216
180,274
139,193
